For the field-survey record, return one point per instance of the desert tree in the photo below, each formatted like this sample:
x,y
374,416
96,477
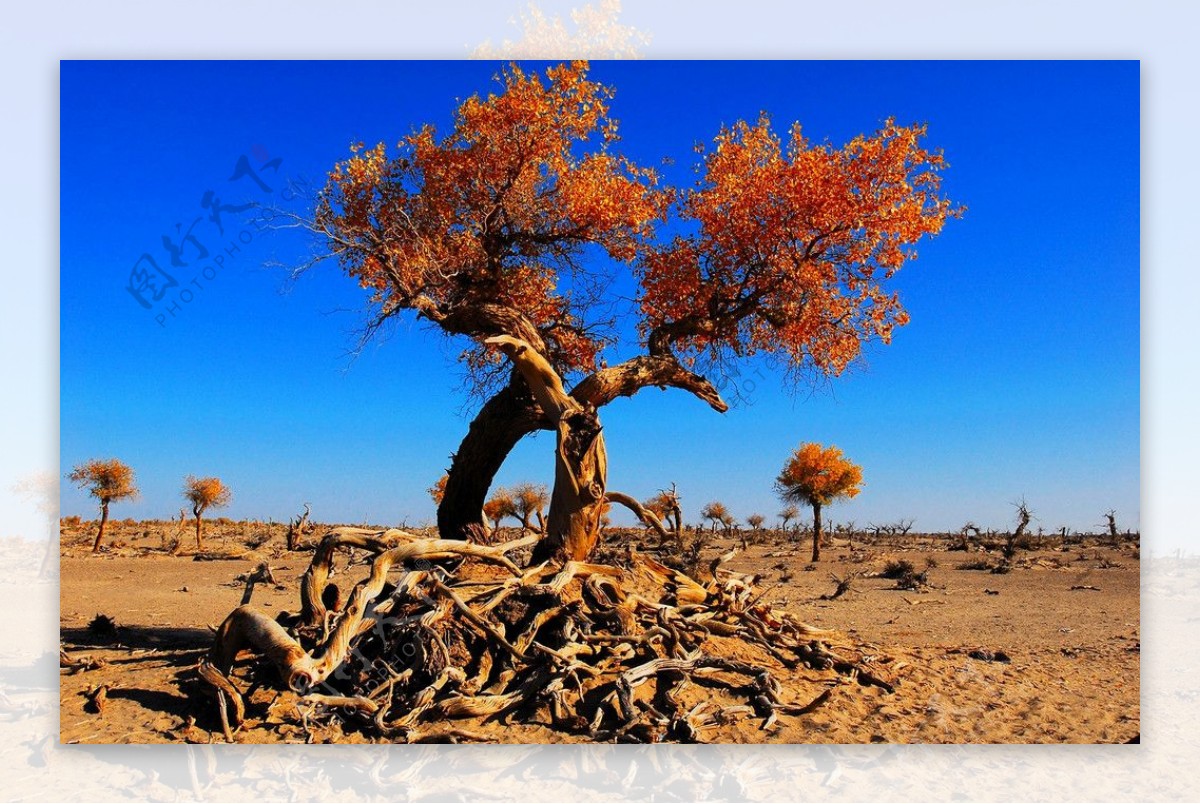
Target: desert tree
x,y
718,514
42,490
850,528
783,246
500,505
788,513
204,493
818,476
1110,519
530,501
666,506
506,231
966,534
299,526
755,521
108,481
1015,539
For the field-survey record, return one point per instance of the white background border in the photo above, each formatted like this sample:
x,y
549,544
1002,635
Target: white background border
x,y
1161,34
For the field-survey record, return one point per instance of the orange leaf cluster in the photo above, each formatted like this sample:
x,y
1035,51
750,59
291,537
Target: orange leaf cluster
x,y
106,480
495,210
205,492
786,250
792,243
438,490
500,505
818,475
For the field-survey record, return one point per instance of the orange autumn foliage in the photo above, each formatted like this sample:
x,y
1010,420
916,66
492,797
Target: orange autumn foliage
x,y
205,492
817,475
500,505
495,211
108,481
793,243
482,230
438,490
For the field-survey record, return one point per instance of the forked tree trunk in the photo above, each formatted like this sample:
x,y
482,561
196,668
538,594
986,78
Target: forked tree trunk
x,y
103,522
816,553
504,420
514,413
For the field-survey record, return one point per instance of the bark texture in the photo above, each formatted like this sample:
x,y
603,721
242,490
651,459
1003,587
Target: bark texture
x,y
581,461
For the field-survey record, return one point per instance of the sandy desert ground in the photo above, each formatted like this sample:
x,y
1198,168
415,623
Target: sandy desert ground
x,y
1048,652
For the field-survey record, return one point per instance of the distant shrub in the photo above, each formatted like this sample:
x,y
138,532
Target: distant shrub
x,y
981,564
258,540
897,569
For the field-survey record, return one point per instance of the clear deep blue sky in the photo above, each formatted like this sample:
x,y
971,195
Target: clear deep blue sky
x,y
1018,376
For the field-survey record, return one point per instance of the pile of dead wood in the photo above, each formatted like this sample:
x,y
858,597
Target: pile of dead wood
x,y
443,635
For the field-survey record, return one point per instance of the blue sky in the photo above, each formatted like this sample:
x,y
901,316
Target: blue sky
x,y
1018,376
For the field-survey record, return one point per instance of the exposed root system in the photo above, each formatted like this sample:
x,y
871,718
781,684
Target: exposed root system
x,y
445,635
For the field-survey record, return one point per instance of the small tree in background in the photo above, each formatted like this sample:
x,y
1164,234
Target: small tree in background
x,y
788,513
529,501
665,505
500,505
204,493
108,481
755,521
1015,540
717,513
1110,517
818,476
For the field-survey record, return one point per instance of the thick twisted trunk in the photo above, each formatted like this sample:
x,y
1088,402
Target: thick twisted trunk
x,y
581,461
578,500
504,420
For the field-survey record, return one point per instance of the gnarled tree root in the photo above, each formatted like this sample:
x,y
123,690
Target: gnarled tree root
x,y
634,653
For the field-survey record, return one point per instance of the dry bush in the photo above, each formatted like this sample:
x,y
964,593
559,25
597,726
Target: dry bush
x,y
905,574
897,568
257,540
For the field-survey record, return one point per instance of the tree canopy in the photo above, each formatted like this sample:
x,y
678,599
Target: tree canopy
x,y
476,229
816,475
206,492
106,480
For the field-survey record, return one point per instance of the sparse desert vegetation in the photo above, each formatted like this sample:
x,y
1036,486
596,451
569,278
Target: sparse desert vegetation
x,y
1068,672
